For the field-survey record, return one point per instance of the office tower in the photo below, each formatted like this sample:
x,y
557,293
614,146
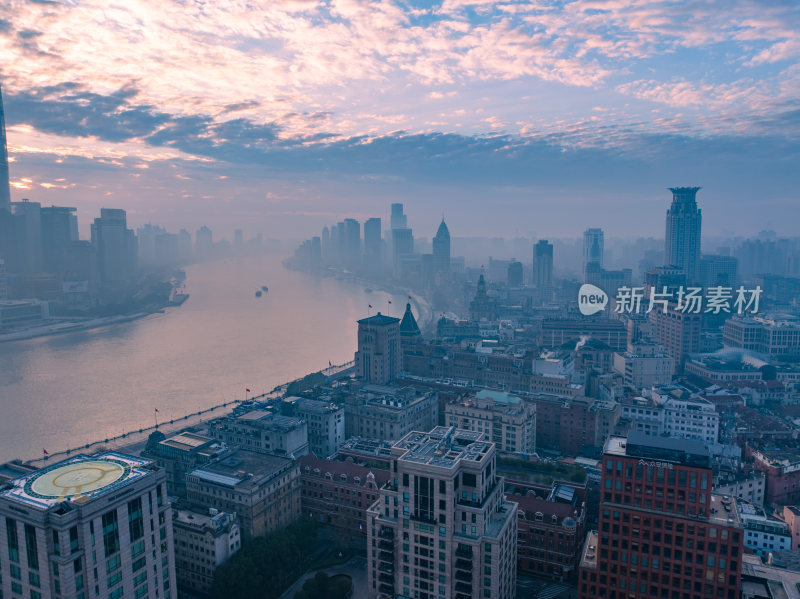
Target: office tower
x,y
378,359
24,245
679,332
326,241
88,527
543,264
372,245
441,249
352,245
514,278
5,185
203,243
398,219
341,243
203,542
717,270
59,229
593,248
442,528
116,247
184,246
662,533
682,245
325,425
402,246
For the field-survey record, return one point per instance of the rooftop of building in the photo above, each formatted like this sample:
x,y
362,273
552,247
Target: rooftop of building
x,y
366,447
724,510
216,522
589,553
379,320
310,464
264,419
79,479
766,580
443,447
242,469
187,441
316,406
650,448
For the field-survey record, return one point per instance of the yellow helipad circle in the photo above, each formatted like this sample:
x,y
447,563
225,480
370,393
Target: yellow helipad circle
x,y
77,479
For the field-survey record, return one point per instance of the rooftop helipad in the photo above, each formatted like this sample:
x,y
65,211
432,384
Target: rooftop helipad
x,y
81,478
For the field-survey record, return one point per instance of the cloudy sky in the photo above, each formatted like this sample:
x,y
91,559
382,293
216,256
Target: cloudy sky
x,y
511,118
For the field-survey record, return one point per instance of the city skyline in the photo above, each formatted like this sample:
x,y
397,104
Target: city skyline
x,y
537,110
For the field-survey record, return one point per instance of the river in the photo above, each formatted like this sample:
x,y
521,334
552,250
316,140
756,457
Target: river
x,y
67,390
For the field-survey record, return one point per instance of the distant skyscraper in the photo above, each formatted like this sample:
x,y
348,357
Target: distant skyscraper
x,y
27,227
5,186
116,246
515,274
398,220
682,246
441,249
403,245
543,264
59,230
372,245
203,243
592,250
352,247
326,242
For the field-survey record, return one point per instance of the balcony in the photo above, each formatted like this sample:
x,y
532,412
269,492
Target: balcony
x,y
464,552
386,589
463,596
463,587
385,556
463,564
387,578
387,533
384,567
386,545
464,576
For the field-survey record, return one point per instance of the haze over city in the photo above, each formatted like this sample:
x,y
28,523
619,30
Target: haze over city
x,y
292,114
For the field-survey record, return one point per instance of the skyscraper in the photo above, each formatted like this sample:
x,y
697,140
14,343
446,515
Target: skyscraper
x,y
5,186
403,245
398,220
116,246
543,264
662,532
372,245
441,249
59,230
443,528
352,247
593,243
682,245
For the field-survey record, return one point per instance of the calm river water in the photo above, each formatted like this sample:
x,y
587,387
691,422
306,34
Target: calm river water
x,y
63,391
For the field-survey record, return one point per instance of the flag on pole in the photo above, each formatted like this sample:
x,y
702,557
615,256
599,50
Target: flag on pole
x,y
329,364
248,390
44,451
156,409
370,305
409,297
390,301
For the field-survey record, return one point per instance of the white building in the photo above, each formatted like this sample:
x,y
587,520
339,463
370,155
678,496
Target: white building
x,y
644,366
325,424
674,412
88,527
749,487
762,534
202,543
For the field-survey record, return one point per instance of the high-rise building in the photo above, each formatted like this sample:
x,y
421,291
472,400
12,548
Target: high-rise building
x,y
25,255
59,229
442,528
678,331
593,248
88,527
378,359
441,249
5,185
402,247
543,264
682,246
398,219
203,542
514,278
372,245
203,243
352,247
662,532
116,246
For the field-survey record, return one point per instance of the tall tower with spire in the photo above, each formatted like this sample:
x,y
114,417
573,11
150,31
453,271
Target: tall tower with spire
x,y
682,244
5,186
441,249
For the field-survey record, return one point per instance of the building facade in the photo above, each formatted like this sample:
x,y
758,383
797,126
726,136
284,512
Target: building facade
x,y
88,527
203,542
262,431
325,425
379,358
684,221
441,528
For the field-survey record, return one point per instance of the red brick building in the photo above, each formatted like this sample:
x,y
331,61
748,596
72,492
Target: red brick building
x,y
550,527
662,534
782,470
337,494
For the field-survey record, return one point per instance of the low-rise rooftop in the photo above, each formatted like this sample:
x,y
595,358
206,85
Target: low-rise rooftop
x,y
443,447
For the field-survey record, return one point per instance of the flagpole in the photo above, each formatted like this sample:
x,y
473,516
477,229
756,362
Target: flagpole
x,y
155,416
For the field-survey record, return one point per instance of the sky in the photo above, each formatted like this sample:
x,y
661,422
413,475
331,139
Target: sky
x,y
510,118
